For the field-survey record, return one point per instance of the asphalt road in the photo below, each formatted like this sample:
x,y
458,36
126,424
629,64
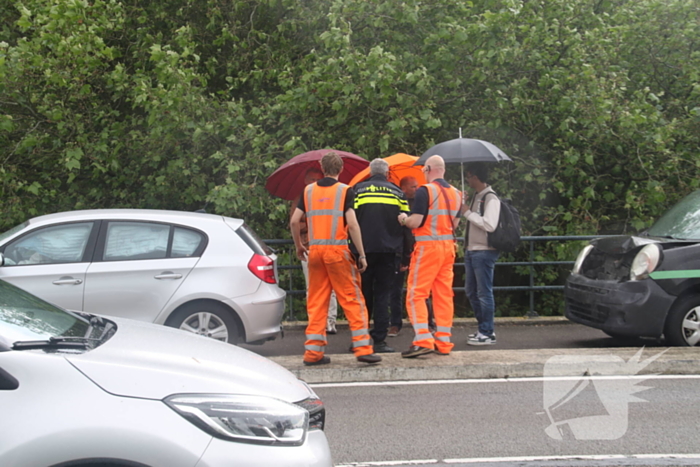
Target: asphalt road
x,y
502,422
510,334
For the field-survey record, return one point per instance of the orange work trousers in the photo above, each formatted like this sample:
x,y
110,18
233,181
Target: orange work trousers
x,y
432,270
333,268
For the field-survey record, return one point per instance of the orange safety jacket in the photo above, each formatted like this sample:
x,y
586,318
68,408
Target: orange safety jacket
x,y
442,210
324,214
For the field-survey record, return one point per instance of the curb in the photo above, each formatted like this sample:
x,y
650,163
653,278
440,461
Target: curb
x,y
460,322
505,364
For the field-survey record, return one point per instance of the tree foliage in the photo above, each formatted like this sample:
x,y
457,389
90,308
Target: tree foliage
x,y
181,103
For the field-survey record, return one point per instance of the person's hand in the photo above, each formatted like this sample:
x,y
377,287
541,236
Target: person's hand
x,y
302,253
361,264
403,268
465,203
402,218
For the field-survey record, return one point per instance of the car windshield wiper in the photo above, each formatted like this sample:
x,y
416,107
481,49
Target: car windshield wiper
x,y
57,343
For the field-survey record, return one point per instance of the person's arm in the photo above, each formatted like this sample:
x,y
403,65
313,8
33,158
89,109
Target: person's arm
x,y
295,227
356,237
412,222
492,212
293,206
414,219
455,222
458,217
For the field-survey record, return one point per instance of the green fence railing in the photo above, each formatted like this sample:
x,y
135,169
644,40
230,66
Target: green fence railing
x,y
292,264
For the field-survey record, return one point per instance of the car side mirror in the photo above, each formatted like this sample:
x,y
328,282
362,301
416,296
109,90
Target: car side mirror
x,y
2,259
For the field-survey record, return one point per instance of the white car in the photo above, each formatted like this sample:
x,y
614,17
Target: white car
x,y
79,389
203,273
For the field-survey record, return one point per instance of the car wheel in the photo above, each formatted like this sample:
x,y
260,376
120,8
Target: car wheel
x,y
683,322
209,319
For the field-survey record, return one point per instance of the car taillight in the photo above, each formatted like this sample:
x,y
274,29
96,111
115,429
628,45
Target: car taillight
x,y
263,267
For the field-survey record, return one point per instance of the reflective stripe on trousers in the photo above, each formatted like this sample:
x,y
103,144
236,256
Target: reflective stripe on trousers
x,y
432,270
332,268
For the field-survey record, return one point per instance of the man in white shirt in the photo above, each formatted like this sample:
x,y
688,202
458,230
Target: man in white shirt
x,y
480,258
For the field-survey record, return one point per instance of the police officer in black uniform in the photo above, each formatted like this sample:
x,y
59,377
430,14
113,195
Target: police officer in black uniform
x,y
378,202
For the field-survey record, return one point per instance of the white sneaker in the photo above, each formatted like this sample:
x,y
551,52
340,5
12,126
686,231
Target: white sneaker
x,y
481,339
474,334
330,328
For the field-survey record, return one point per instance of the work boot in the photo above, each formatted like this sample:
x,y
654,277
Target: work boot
x,y
381,347
324,361
415,351
393,331
371,358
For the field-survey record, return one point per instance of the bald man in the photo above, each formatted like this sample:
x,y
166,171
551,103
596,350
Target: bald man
x,y
433,219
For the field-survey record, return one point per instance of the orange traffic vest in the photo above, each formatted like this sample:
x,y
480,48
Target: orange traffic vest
x,y
324,214
438,223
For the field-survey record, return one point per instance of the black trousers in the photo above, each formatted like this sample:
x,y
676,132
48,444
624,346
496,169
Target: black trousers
x,y
396,299
377,284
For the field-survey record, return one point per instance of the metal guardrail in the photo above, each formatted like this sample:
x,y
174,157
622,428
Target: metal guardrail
x,y
293,264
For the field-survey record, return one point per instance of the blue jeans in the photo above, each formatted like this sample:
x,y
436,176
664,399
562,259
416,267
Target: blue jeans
x,y
478,286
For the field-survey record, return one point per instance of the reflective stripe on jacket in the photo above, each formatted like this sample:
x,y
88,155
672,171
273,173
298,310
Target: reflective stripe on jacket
x,y
324,214
438,224
378,203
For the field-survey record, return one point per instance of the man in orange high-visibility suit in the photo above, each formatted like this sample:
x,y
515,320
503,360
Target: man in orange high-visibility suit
x,y
328,205
434,219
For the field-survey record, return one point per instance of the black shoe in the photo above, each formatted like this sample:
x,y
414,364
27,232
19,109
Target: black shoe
x,y
415,351
381,347
371,358
324,360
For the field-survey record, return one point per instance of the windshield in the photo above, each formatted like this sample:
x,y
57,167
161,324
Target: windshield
x,y
682,221
26,317
13,231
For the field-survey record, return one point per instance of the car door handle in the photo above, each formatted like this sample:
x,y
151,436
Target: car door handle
x,y
67,281
168,275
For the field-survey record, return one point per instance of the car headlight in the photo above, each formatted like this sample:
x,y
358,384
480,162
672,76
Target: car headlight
x,y
317,411
645,262
243,418
581,257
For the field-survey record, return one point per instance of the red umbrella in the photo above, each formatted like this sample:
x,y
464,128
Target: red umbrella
x,y
287,182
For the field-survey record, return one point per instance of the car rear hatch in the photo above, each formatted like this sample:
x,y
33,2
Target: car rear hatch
x,y
255,243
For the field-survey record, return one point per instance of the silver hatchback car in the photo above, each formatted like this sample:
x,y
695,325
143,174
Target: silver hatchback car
x,y
78,389
203,273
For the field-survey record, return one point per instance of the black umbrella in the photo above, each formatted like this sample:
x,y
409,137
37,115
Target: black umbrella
x,y
464,150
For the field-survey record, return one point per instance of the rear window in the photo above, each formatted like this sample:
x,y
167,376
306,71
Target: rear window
x,y
253,241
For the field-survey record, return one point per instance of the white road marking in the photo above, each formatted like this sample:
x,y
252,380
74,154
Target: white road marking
x,y
495,380
509,460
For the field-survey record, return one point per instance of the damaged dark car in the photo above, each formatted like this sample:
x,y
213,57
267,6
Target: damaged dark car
x,y
643,286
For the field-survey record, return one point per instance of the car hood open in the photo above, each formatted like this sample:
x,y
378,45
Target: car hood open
x,y
622,244
149,361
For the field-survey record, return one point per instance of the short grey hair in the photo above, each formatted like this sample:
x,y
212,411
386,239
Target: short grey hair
x,y
378,167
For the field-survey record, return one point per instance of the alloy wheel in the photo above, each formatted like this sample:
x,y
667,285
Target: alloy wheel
x,y
206,324
691,326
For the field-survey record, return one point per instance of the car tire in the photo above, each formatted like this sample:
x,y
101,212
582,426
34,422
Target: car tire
x,y
206,318
683,322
